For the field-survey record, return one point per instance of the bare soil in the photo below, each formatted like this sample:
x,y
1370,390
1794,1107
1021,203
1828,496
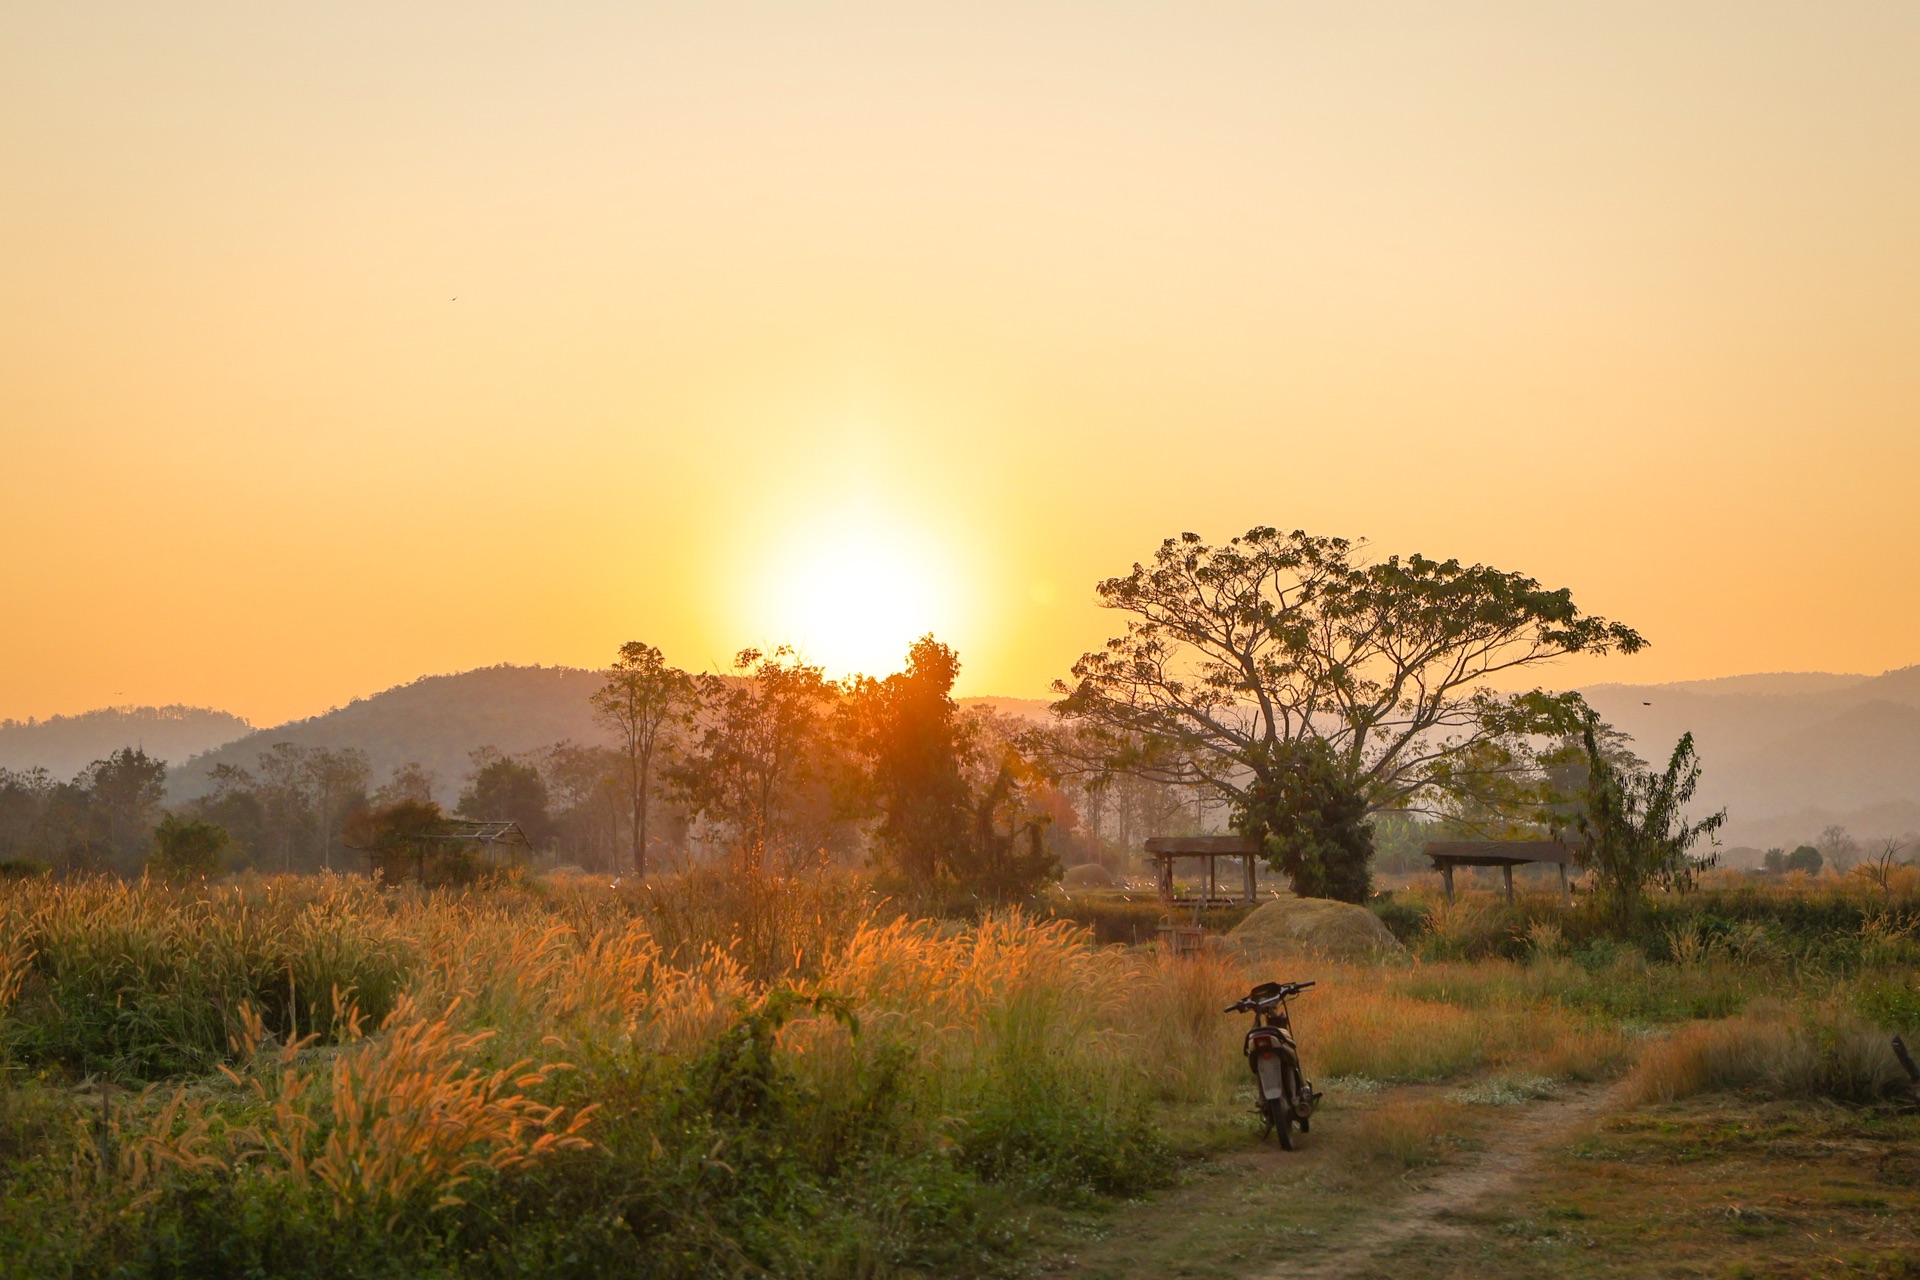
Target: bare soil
x,y
1568,1186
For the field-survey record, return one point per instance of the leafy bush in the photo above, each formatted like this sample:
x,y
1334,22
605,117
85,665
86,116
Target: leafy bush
x,y
1406,920
1892,1006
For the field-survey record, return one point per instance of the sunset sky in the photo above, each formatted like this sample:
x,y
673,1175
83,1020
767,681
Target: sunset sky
x,y
345,343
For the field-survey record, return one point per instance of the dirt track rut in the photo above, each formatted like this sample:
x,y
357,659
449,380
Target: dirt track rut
x,y
1472,1181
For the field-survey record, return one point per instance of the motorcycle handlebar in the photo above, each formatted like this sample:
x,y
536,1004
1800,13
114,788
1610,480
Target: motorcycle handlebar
x,y
1245,1003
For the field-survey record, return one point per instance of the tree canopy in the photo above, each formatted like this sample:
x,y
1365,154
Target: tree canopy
x,y
503,789
956,794
186,849
761,772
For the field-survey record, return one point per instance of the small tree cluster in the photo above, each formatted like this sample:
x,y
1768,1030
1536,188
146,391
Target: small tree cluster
x,y
1804,858
289,809
960,799
101,820
405,840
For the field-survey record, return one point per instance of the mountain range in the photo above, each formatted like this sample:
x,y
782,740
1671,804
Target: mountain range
x,y
1787,753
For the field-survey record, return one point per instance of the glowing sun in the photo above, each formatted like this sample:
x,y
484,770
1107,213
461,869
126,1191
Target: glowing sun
x,y
854,594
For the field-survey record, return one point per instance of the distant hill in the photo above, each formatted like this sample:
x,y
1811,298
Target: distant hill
x,y
436,720
1770,683
64,745
440,720
1788,753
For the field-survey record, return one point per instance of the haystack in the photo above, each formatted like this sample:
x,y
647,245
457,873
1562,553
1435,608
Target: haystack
x,y
1288,925
1089,875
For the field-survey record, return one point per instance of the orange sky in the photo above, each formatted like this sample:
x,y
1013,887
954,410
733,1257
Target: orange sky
x,y
980,300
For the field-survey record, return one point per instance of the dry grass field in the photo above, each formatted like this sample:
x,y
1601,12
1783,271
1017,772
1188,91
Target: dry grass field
x,y
781,1077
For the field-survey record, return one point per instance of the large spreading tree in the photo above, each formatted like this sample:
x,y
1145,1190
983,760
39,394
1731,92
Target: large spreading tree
x,y
1307,686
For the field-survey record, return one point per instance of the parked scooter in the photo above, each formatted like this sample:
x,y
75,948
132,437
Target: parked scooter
x,y
1286,1097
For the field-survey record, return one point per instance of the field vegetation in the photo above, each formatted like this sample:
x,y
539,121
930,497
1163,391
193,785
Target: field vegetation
x,y
738,1072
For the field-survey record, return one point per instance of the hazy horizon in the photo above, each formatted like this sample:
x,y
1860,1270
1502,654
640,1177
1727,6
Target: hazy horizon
x,y
1800,681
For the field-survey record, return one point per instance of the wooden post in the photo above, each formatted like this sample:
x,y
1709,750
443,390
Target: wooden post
x,y
1446,874
1211,891
1506,871
1566,890
1250,885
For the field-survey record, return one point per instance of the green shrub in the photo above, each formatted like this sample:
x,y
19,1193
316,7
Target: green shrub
x,y
1405,920
1892,1006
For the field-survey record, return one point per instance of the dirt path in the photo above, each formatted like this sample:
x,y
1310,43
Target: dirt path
x,y
1259,1212
1511,1150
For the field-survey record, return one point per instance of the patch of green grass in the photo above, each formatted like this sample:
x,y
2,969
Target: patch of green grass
x,y
1893,1006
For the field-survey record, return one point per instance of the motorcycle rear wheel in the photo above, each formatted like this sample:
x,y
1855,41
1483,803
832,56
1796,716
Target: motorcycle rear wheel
x,y
1287,1106
1280,1116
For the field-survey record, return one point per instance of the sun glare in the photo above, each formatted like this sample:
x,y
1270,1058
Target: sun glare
x,y
854,596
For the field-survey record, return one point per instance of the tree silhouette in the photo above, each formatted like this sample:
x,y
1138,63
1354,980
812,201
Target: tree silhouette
x,y
644,701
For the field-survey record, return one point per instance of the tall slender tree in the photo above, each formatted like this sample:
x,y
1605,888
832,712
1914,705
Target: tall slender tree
x,y
644,702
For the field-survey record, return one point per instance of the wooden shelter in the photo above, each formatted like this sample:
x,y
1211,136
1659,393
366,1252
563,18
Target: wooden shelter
x,y
498,843
1505,854
1167,850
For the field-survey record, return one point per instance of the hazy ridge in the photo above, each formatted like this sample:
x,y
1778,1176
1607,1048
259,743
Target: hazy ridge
x,y
435,720
64,745
1787,753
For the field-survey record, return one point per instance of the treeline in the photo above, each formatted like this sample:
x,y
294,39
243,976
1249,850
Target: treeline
x,y
771,761
294,808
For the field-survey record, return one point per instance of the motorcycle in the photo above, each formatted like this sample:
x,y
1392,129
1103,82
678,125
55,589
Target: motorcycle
x,y
1285,1096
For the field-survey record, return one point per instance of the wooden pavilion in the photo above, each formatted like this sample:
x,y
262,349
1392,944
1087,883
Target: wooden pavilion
x,y
1209,850
1505,854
